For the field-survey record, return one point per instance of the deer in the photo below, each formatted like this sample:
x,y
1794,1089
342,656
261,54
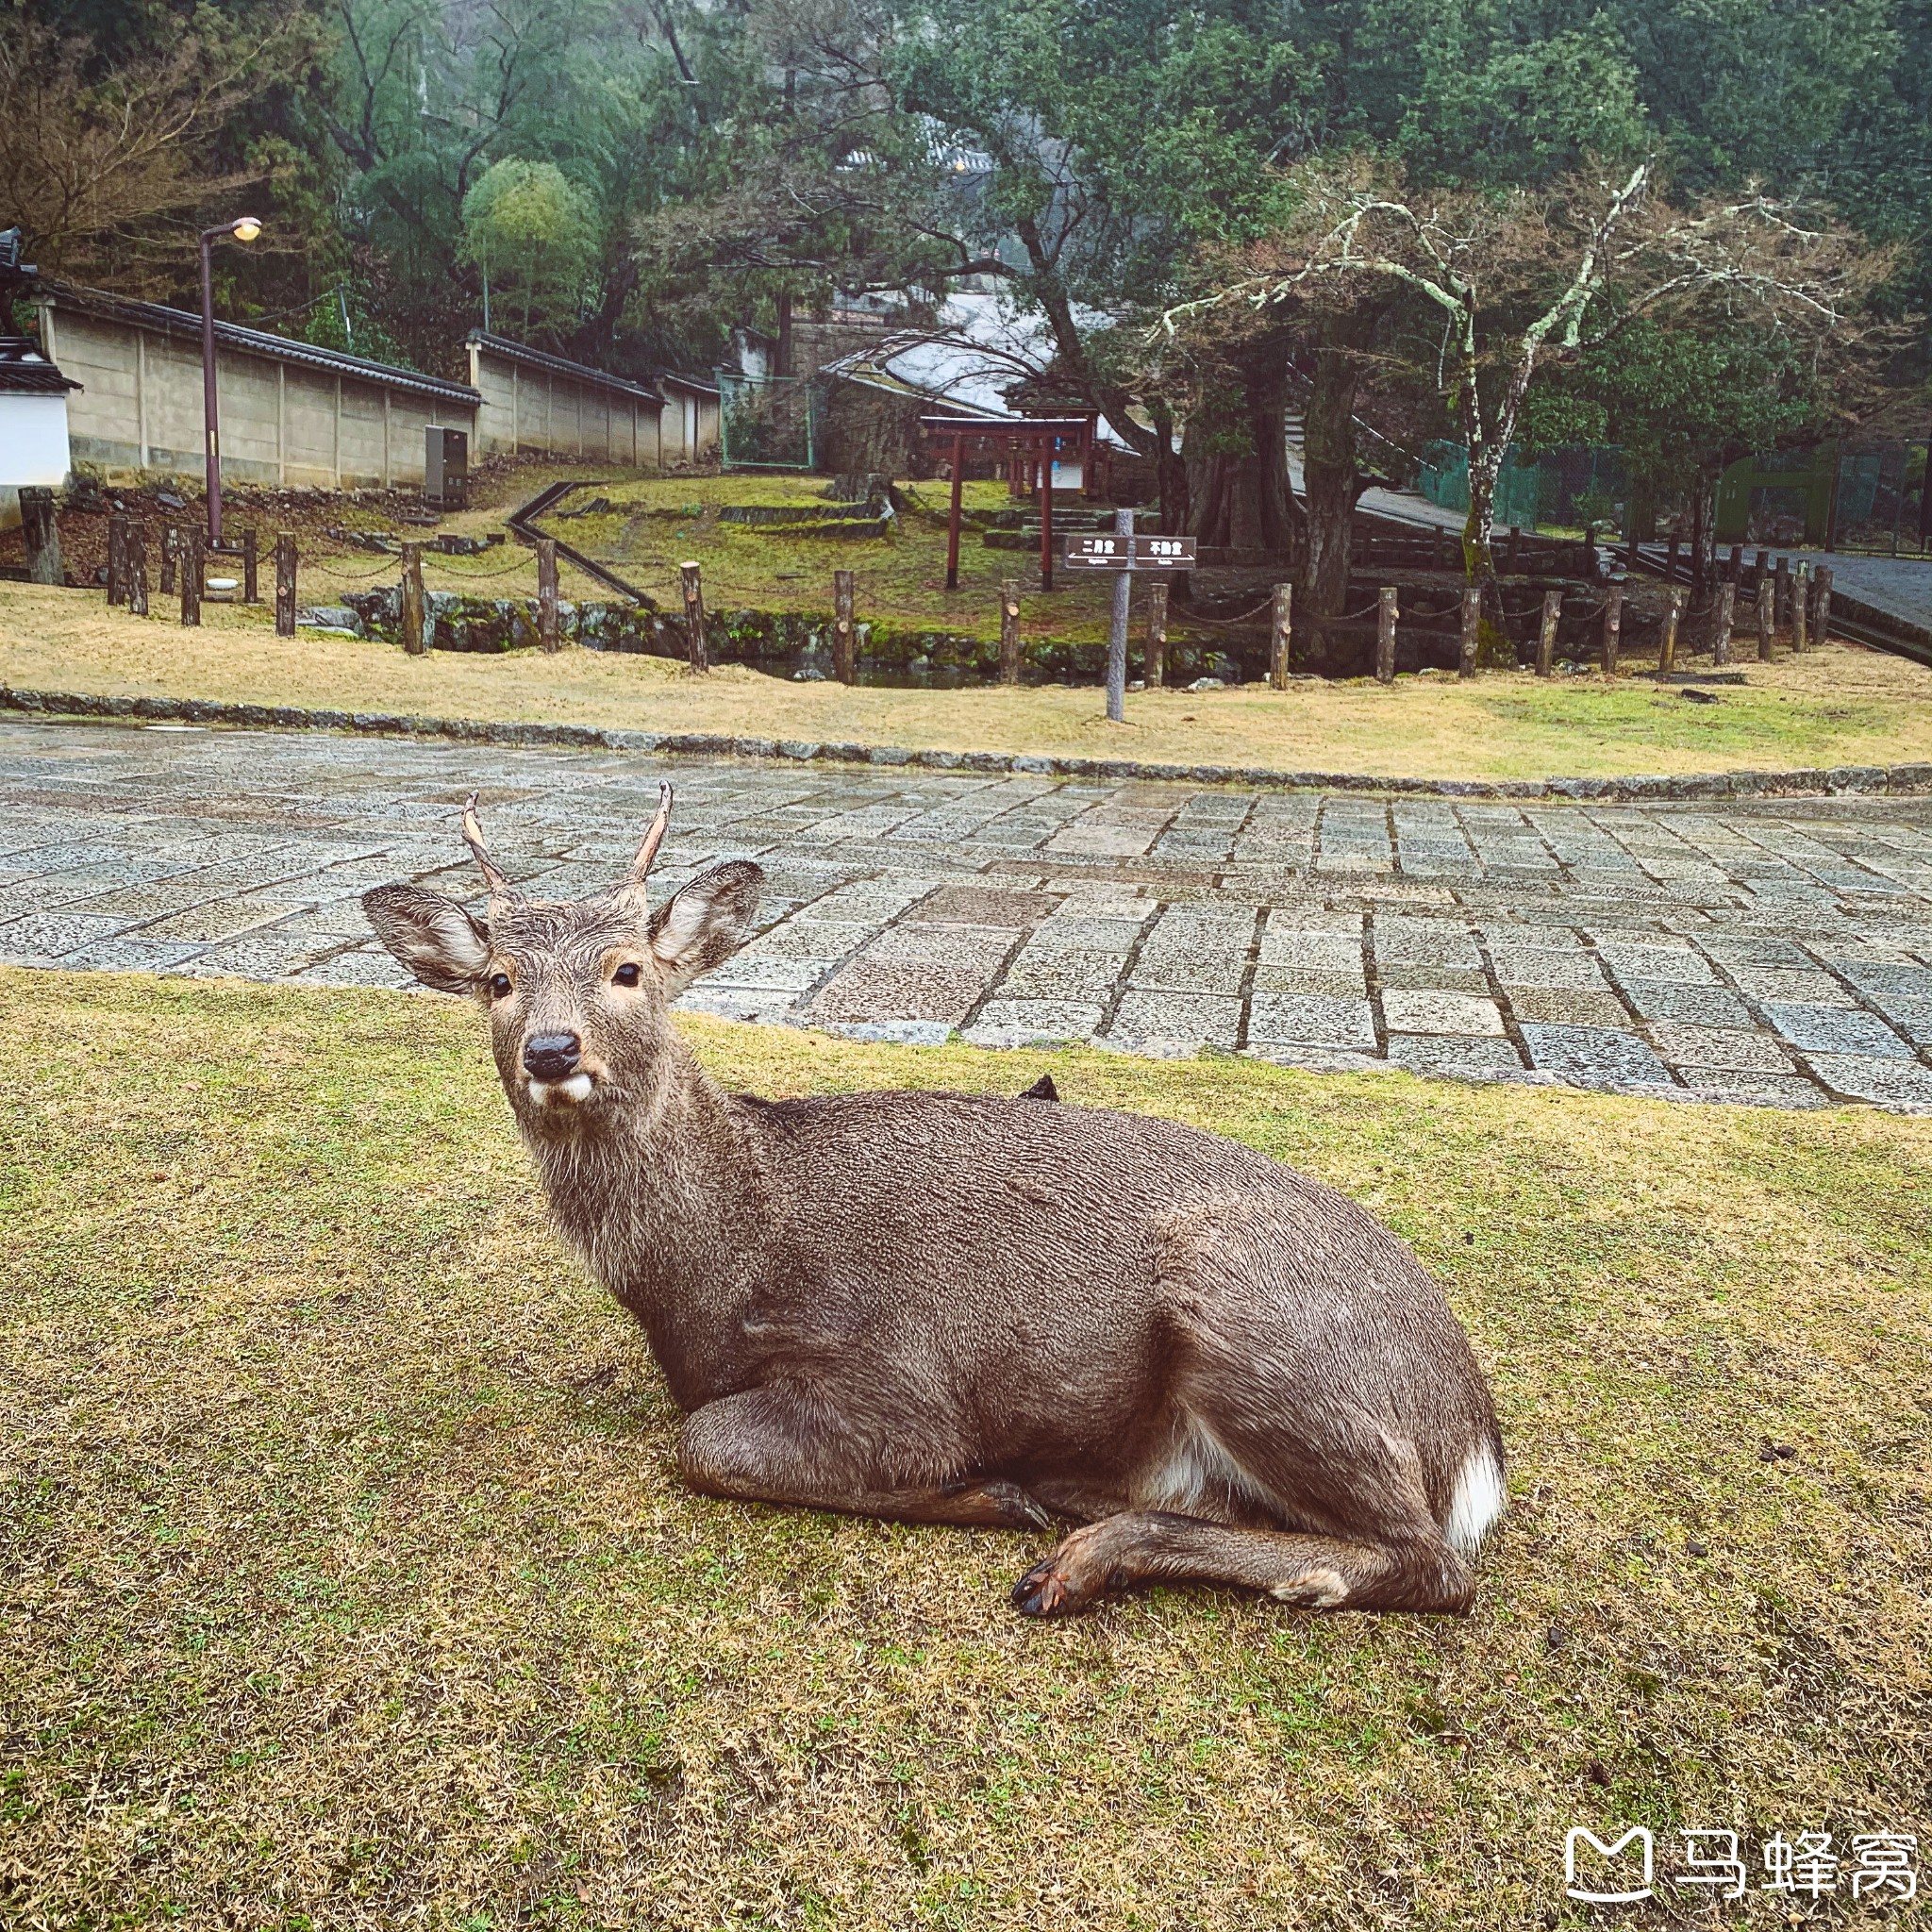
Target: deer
x,y
1188,1361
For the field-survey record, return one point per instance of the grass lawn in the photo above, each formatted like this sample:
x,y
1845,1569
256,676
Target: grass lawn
x,y
346,1581
1837,706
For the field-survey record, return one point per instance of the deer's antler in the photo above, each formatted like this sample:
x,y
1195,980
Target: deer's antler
x,y
500,888
647,852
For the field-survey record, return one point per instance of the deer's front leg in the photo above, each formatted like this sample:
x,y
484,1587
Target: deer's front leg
x,y
774,1445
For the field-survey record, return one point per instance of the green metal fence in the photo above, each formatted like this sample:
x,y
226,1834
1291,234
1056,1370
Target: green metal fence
x,y
766,422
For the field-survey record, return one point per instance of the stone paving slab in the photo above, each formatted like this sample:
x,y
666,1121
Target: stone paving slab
x,y
1774,952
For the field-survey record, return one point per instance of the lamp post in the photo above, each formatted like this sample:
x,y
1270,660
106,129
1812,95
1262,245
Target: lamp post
x,y
244,228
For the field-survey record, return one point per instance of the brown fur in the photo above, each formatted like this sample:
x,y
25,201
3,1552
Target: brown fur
x,y
951,1309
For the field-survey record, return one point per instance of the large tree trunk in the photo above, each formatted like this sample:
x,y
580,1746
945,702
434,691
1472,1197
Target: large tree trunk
x,y
1495,650
1332,483
1273,506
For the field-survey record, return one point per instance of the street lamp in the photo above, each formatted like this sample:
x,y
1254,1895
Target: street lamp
x,y
244,228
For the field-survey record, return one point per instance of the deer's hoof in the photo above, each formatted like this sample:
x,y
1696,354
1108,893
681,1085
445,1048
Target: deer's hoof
x,y
1047,1591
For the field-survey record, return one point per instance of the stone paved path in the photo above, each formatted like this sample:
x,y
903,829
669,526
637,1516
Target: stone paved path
x,y
1776,951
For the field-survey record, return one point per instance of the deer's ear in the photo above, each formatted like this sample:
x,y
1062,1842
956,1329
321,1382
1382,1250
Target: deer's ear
x,y
704,925
432,936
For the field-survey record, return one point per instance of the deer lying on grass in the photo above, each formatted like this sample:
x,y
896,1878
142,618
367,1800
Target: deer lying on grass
x,y
942,1308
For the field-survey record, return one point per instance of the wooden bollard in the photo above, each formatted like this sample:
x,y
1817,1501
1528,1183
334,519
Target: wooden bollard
x,y
1613,628
1734,569
1468,637
1009,631
1670,559
171,547
548,633
137,571
1763,568
39,529
845,629
1820,606
1386,614
117,558
1673,615
191,562
285,583
1781,594
1726,612
1767,592
691,581
1515,552
251,568
1156,671
1801,607
1280,636
413,600
1546,632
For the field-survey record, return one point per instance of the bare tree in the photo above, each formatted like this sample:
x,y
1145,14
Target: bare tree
x,y
1526,279
95,164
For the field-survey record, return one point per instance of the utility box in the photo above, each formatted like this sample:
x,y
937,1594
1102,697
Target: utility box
x,y
446,468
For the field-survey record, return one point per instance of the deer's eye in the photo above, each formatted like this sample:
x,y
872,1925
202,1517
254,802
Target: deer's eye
x,y
499,985
627,974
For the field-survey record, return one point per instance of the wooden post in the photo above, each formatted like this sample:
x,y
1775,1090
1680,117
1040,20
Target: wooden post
x,y
1801,607
1762,570
1781,602
1515,563
548,634
1726,611
1613,628
1009,631
1117,624
1046,516
1766,591
1386,614
41,530
413,641
690,579
844,631
190,563
953,513
1673,612
1546,631
1734,569
137,571
1820,606
285,583
251,568
1156,670
117,558
1630,544
1470,635
1280,636
1670,559
171,545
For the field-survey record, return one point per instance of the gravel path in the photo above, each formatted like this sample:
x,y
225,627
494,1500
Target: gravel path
x,y
1774,951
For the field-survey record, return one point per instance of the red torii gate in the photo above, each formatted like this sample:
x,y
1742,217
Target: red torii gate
x,y
1038,437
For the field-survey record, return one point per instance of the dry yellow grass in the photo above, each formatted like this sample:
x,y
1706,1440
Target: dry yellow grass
x,y
346,1581
1839,706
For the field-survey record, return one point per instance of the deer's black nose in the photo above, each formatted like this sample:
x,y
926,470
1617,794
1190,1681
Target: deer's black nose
x,y
551,1056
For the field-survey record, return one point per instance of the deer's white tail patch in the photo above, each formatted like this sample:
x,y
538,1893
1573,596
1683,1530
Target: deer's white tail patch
x,y
1477,1501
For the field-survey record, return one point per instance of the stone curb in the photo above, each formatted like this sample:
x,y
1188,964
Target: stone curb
x,y
1906,780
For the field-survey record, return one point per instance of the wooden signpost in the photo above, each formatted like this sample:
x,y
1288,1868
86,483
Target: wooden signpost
x,y
1122,553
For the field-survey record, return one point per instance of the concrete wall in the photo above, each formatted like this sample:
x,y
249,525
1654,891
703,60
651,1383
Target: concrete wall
x,y
282,422
690,422
533,405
